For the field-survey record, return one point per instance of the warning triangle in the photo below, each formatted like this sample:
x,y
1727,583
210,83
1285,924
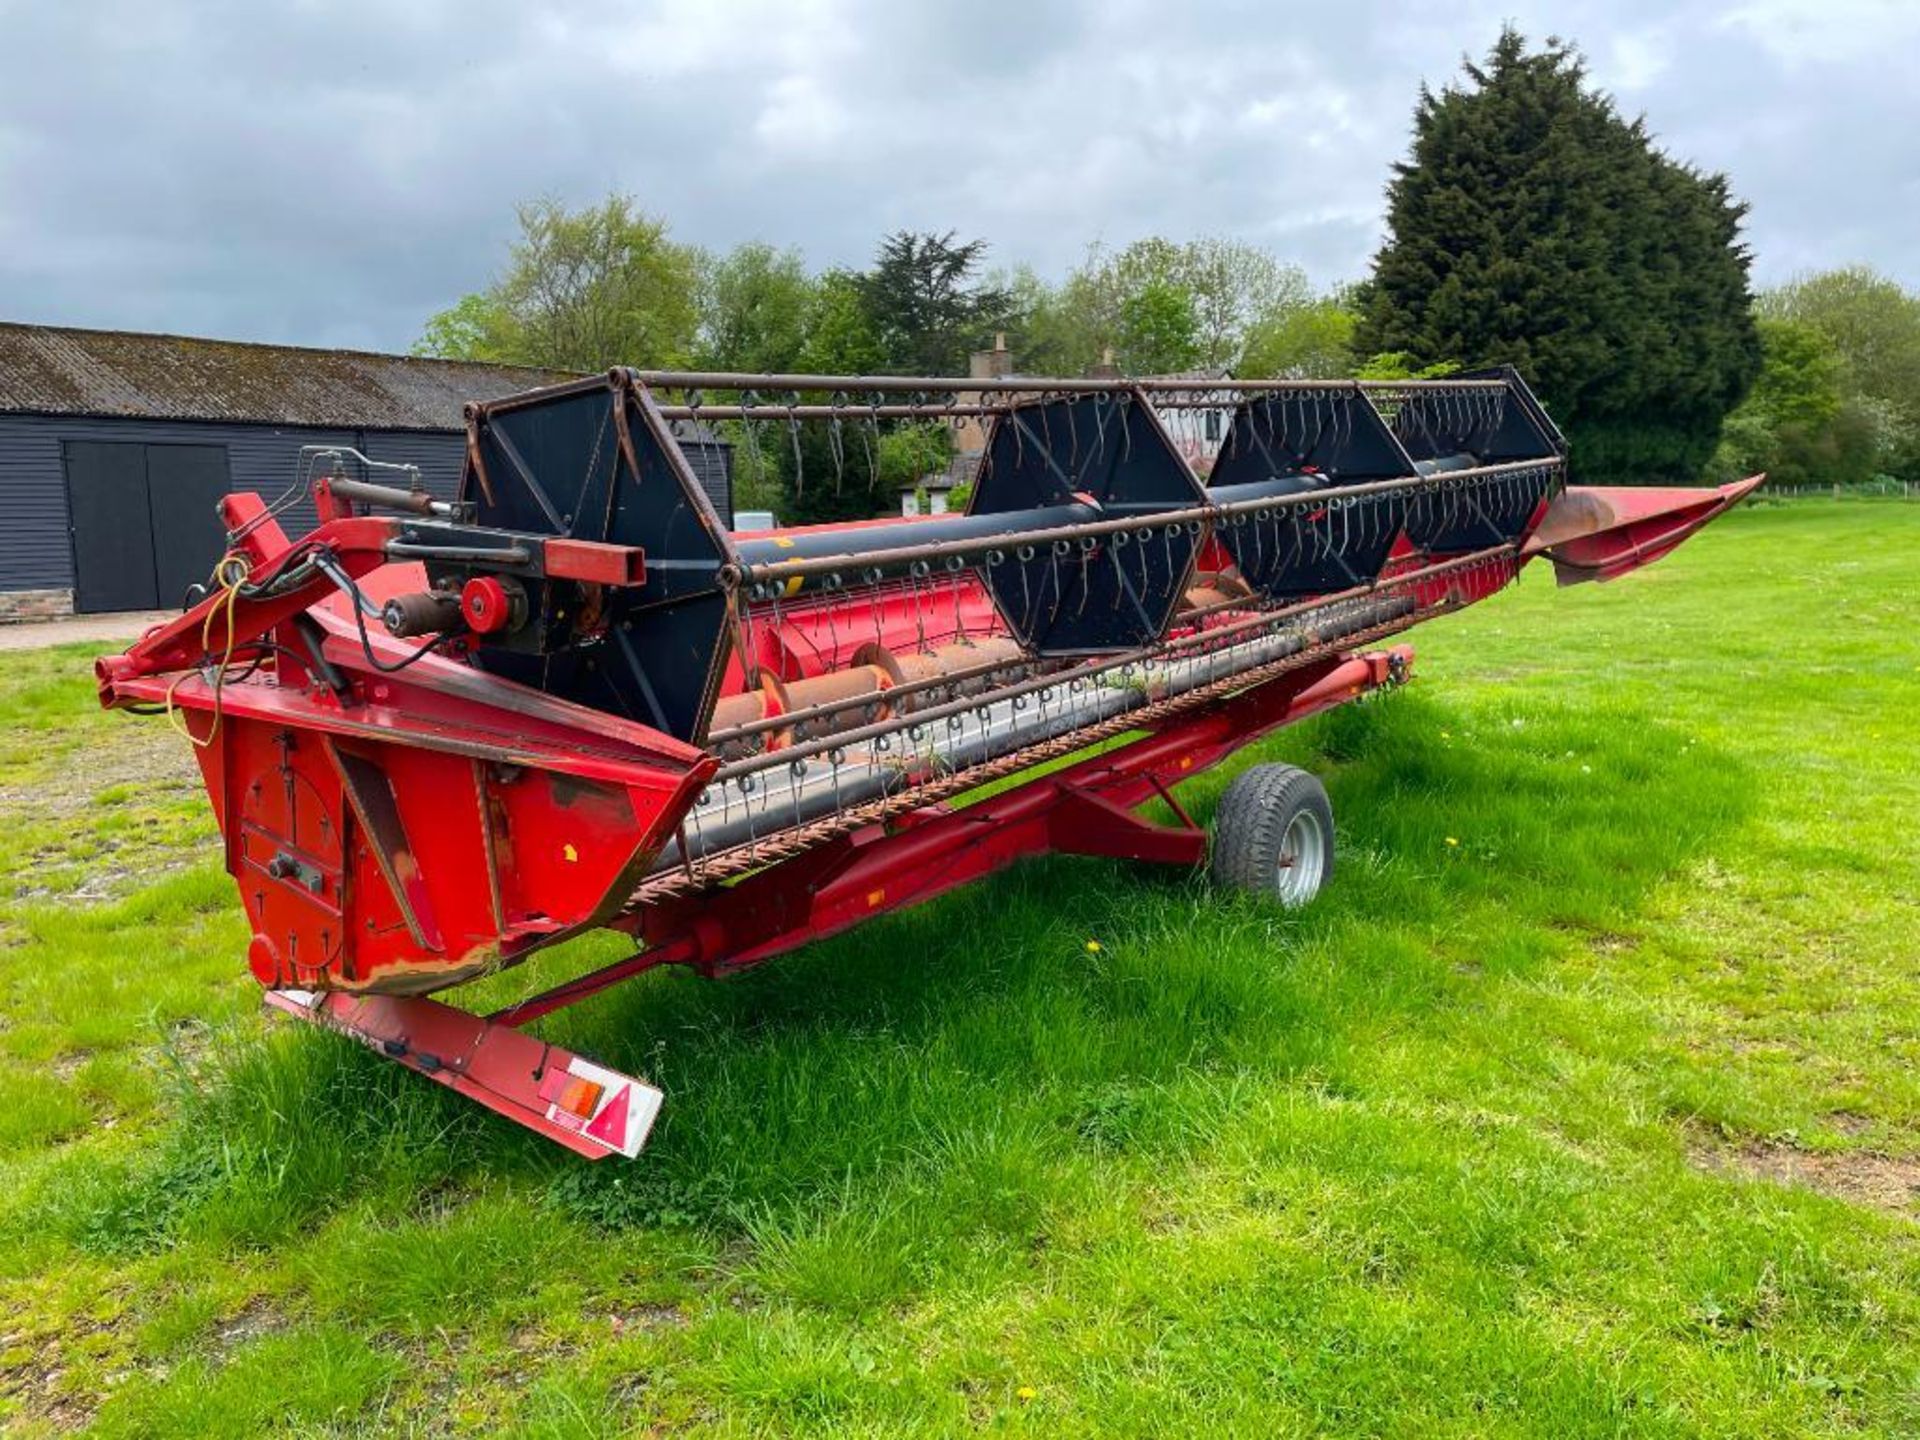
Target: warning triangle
x,y
610,1125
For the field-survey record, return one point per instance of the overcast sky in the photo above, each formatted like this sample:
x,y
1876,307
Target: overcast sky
x,y
332,172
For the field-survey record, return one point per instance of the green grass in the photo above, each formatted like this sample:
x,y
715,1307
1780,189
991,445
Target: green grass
x,y
1584,1102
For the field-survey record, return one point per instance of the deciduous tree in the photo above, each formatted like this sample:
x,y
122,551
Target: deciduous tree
x,y
583,290
756,304
1313,341
1159,329
1873,326
1798,423
1156,306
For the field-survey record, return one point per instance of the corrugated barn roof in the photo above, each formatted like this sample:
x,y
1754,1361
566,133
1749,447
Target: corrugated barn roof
x,y
48,370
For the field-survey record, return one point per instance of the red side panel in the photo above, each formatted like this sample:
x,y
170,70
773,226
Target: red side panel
x,y
409,842
1592,533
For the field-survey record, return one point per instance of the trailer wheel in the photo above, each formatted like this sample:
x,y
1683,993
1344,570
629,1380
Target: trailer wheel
x,y
1273,834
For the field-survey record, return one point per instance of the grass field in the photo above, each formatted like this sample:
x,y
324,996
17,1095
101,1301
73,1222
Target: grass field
x,y
1585,1102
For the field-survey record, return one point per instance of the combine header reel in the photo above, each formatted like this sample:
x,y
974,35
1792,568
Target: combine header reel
x,y
442,735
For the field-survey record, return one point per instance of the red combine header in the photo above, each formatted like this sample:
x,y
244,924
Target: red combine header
x,y
442,735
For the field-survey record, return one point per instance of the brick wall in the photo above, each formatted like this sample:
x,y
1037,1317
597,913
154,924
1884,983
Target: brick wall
x,y
18,606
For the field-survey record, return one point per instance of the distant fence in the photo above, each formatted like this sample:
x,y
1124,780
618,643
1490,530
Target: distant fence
x,y
1884,487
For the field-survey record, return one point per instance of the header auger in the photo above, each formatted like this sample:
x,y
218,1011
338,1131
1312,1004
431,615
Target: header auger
x,y
440,735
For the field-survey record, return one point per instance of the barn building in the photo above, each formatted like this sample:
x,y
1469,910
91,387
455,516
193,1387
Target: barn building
x,y
115,448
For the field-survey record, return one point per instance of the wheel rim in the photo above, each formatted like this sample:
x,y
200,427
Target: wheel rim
x,y
1303,859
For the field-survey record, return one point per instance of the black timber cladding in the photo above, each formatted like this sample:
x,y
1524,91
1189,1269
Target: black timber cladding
x,y
61,389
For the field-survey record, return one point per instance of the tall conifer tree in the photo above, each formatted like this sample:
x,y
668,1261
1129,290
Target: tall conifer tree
x,y
1533,225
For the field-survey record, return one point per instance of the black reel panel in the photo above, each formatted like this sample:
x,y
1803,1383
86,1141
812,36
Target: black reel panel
x,y
1067,460
594,461
1294,443
1450,520
1444,430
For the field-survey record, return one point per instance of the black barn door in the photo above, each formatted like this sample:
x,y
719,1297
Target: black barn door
x,y
144,523
112,526
184,486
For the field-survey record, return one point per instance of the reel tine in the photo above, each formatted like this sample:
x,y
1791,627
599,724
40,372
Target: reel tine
x,y
1072,467
836,447
870,436
799,462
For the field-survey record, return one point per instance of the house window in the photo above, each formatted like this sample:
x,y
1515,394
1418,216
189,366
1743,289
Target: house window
x,y
1210,426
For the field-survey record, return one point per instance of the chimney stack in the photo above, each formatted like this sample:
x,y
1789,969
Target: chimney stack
x,y
994,364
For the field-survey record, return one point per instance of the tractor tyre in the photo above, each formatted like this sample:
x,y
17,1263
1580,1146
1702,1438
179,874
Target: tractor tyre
x,y
1273,835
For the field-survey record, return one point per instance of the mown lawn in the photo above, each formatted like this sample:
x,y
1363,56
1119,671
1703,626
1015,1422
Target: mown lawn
x,y
1586,1101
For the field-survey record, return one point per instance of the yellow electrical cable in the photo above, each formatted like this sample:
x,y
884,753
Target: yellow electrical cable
x,y
230,574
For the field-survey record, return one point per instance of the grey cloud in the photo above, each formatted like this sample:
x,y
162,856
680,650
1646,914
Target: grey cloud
x,y
333,173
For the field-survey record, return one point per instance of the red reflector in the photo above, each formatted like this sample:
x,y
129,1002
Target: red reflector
x,y
611,1126
571,1093
579,1097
